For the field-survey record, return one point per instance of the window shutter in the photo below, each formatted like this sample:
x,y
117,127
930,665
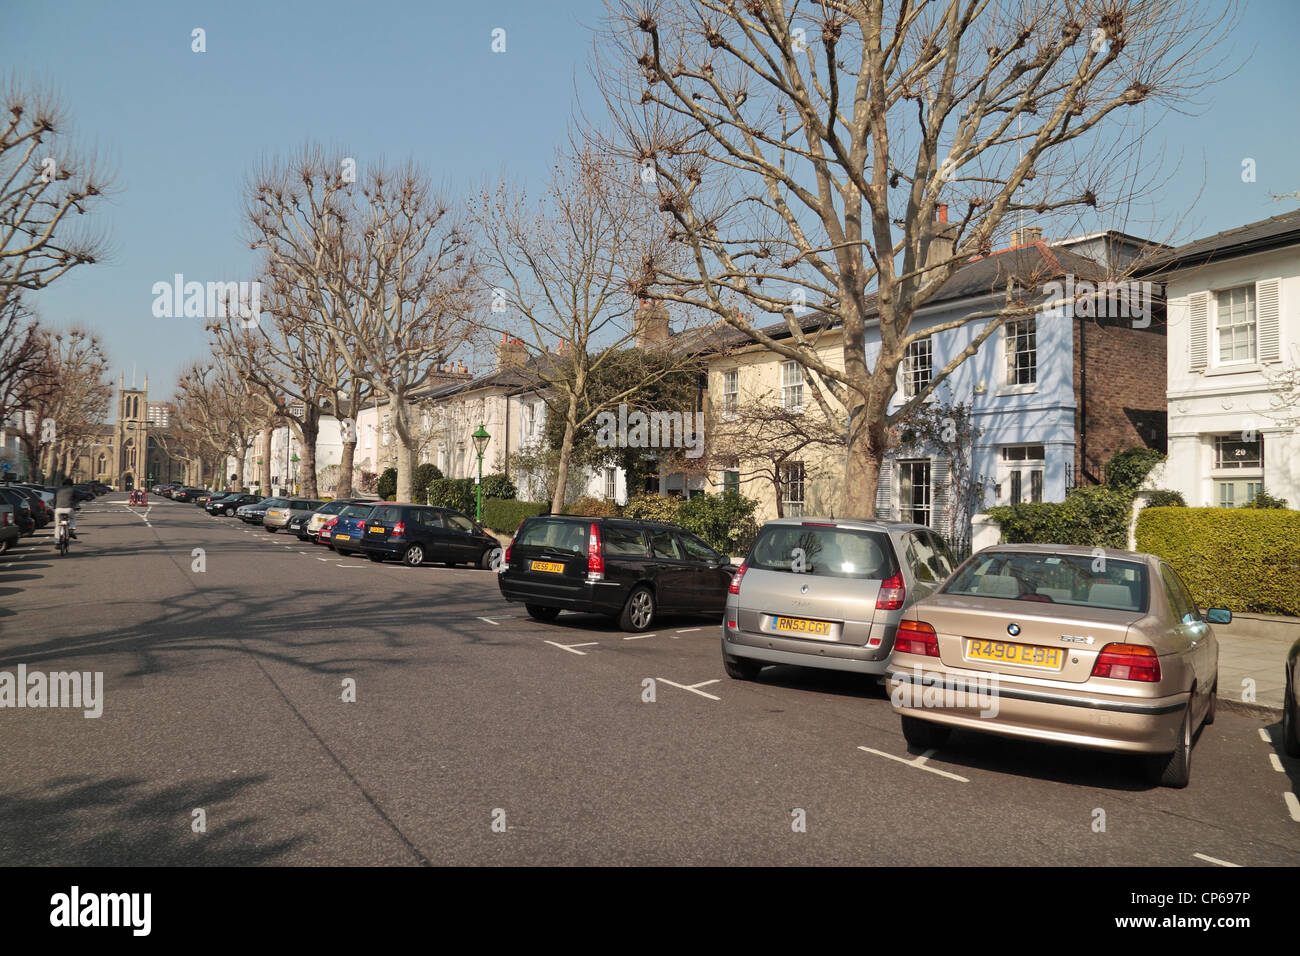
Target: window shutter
x,y
1198,310
939,495
884,491
1267,320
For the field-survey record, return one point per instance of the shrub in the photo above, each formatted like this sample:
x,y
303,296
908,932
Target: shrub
x,y
1164,498
725,521
504,515
457,493
498,486
653,508
1246,560
367,483
1265,500
1093,517
595,507
1127,469
387,484
420,479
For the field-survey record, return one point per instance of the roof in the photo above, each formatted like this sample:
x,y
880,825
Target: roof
x,y
1275,232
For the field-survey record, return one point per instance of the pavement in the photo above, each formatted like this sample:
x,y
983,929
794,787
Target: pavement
x,y
1252,655
267,701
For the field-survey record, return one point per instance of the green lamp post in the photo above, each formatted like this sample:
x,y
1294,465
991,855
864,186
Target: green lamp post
x,y
295,459
481,439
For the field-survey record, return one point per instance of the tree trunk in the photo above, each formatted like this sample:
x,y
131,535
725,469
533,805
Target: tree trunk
x,y
264,472
309,431
343,487
866,448
562,472
404,446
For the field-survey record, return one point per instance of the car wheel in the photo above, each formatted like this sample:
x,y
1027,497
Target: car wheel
x,y
490,559
1174,769
5,545
639,611
346,554
377,558
740,669
1213,707
269,529
413,557
1290,723
230,512
539,613
923,733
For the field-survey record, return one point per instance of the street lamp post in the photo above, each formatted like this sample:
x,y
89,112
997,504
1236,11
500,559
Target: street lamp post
x,y
295,459
481,439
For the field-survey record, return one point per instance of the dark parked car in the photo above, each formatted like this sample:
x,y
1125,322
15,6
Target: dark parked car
x,y
1291,703
187,494
230,503
42,512
22,508
344,536
253,513
82,493
9,532
419,533
297,525
632,570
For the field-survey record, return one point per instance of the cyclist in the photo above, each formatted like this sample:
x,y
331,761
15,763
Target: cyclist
x,y
65,502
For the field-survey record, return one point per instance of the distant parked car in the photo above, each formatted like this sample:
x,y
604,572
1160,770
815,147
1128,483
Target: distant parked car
x,y
1291,703
208,497
230,504
22,506
631,570
419,533
187,493
349,526
40,503
297,525
253,513
277,517
1104,650
828,593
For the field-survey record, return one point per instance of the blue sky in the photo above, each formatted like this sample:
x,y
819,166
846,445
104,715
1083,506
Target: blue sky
x,y
419,79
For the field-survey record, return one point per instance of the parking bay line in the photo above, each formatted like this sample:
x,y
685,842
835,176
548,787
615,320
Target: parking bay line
x,y
570,647
638,637
692,687
919,763
1216,862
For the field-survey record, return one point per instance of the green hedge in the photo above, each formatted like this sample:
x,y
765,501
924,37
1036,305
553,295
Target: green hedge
x,y
457,493
726,521
504,515
387,483
1243,559
1092,517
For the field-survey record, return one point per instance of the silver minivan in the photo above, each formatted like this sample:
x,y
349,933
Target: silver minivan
x,y
828,592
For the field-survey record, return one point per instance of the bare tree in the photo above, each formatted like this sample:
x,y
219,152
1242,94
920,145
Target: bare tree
x,y
22,357
384,271
568,269
45,189
68,402
806,151
218,415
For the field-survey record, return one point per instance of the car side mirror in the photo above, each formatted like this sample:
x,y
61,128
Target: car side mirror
x,y
1218,615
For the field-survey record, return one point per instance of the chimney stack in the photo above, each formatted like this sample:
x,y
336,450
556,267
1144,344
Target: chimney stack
x,y
942,240
511,353
651,324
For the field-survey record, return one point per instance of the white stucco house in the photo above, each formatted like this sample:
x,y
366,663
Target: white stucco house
x,y
1234,331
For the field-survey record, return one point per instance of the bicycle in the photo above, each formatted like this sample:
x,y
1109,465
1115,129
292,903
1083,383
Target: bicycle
x,y
62,538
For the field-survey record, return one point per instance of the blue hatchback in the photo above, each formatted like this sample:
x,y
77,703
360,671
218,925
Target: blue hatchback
x,y
345,536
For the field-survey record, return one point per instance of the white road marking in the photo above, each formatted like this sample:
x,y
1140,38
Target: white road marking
x,y
919,763
692,687
1210,859
351,565
322,559
1263,735
489,620
570,647
688,630
1277,763
1292,804
638,637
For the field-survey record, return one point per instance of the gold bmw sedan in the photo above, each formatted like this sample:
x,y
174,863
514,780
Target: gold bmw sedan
x,y
1078,646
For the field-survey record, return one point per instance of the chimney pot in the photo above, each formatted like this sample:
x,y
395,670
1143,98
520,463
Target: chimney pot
x,y
941,212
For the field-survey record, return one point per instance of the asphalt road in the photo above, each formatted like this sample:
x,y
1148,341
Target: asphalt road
x,y
223,693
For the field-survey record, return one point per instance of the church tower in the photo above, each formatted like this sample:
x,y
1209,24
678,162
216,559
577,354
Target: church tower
x,y
132,435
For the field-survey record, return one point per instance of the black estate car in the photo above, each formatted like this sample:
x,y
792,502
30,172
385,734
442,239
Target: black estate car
x,y
628,569
227,505
419,533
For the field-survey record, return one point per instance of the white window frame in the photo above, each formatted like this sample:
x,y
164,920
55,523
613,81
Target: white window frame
x,y
1021,464
1229,477
792,383
908,507
1250,323
730,391
611,484
1010,335
793,489
918,357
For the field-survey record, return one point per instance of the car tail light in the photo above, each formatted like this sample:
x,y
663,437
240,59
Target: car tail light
x,y
595,560
399,529
734,586
1127,662
511,545
916,637
892,593
9,518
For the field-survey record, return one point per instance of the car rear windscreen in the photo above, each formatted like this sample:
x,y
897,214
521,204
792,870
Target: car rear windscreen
x,y
356,511
1078,580
823,551
558,535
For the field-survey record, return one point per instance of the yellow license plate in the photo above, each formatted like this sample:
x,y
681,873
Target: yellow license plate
x,y
1021,655
342,537
552,566
799,625
376,530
